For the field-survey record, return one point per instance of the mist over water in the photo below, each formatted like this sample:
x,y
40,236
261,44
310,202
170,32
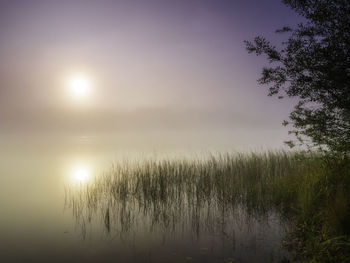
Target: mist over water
x,y
89,84
37,225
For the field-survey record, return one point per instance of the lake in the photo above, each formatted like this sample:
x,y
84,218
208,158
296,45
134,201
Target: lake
x,y
37,224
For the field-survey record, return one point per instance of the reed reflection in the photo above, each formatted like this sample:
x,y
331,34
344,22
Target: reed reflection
x,y
180,196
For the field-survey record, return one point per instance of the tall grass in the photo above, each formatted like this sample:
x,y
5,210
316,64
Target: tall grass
x,y
318,202
193,194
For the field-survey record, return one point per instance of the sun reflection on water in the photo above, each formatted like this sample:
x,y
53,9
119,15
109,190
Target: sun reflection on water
x,y
81,174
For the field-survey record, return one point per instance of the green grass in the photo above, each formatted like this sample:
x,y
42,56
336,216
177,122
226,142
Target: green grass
x,y
309,190
318,202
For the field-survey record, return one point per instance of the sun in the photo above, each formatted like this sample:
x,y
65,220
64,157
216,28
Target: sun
x,y
79,86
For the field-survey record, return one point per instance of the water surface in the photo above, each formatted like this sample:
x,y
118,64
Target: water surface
x,y
36,226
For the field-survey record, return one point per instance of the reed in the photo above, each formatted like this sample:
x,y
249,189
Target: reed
x,y
193,195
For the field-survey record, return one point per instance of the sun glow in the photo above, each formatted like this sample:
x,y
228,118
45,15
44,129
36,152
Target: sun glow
x,y
79,86
81,174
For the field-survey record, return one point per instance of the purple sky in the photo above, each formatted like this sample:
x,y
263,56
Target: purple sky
x,y
176,68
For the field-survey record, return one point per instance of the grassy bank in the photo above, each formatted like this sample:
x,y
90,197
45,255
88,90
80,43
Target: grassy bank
x,y
308,190
318,203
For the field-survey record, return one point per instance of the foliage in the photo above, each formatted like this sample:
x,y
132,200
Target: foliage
x,y
313,65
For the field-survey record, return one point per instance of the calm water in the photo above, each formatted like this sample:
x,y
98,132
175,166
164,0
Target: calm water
x,y
35,226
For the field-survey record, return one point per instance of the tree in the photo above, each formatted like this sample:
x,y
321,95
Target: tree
x,y
313,65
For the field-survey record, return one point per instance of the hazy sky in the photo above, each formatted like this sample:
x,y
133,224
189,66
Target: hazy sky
x,y
174,68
